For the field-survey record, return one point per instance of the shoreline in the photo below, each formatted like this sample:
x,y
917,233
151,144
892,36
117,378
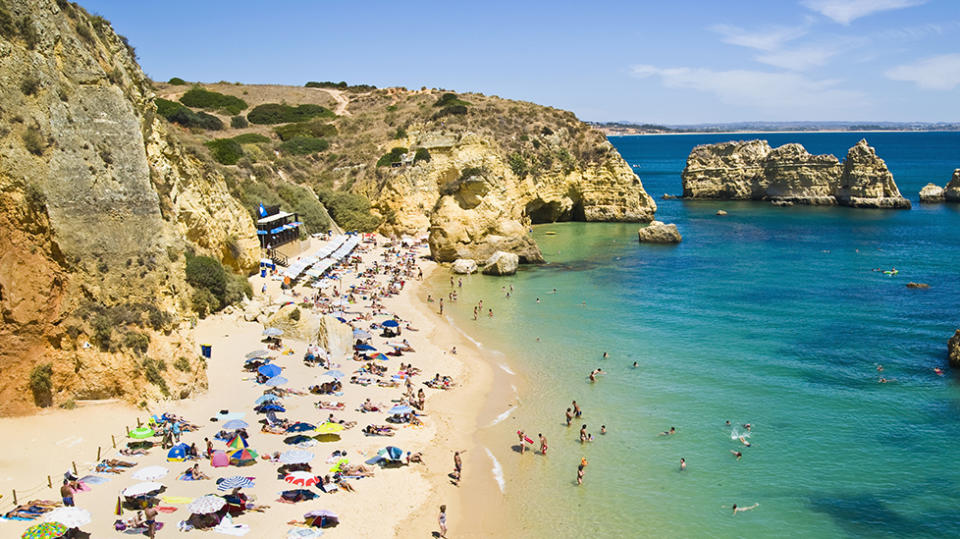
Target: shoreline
x,y
780,132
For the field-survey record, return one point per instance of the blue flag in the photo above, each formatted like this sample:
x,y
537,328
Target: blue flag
x,y
263,211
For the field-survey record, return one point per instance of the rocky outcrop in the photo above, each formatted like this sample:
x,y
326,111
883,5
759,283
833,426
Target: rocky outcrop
x,y
98,204
296,323
953,350
464,266
501,263
752,170
335,337
475,201
951,193
659,232
931,193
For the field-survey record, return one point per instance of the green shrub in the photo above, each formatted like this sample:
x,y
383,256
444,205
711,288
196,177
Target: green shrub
x,y
275,113
204,302
449,100
422,154
400,133
470,172
305,203
342,85
182,364
41,384
350,211
30,85
518,164
238,287
151,371
316,128
69,404
238,122
84,32
304,145
225,151
7,28
205,99
137,342
33,141
177,113
102,332
393,156
452,110
177,81
208,273
295,314
250,138
165,107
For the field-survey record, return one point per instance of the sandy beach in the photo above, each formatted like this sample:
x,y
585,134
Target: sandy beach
x,y
402,502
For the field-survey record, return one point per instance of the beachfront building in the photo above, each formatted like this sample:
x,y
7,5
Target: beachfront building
x,y
276,228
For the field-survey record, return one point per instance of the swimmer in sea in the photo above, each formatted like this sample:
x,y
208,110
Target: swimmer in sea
x,y
634,364
593,376
603,429
683,464
744,441
673,430
490,313
739,509
879,368
538,300
605,355
938,370
736,454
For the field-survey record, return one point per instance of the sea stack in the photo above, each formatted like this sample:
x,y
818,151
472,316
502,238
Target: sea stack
x,y
752,170
659,232
931,193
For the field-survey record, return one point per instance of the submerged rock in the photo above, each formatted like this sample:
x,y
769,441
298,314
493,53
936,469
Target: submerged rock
x,y
659,232
953,349
464,266
752,170
721,213
931,193
501,263
917,285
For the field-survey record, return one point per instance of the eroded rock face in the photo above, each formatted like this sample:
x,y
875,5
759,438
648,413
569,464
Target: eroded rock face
x,y
473,204
951,193
659,232
464,266
99,204
953,349
501,263
931,193
751,170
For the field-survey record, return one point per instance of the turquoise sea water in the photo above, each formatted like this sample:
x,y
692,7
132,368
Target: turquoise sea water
x,y
769,316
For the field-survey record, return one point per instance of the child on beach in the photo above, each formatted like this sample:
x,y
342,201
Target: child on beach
x,y
442,520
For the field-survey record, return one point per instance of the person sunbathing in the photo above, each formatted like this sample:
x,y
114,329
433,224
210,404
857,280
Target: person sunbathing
x,y
358,470
132,452
273,429
368,406
193,473
119,463
378,430
325,405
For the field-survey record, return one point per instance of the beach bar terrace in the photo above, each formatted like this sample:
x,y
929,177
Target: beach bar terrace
x,y
277,228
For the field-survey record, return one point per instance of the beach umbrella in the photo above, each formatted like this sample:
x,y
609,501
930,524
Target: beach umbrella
x,y
151,473
361,334
392,452
334,373
255,360
118,510
276,381
238,442
366,348
243,457
269,370
270,407
219,459
178,453
390,323
269,397
257,353
206,504
71,517
298,439
381,357
329,428
44,531
140,433
237,481
327,437
273,332
302,479
235,424
295,456
401,409
300,426
141,489
298,495
321,518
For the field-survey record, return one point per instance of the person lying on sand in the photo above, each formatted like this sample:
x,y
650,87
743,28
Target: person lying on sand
x,y
325,405
368,406
378,430
132,452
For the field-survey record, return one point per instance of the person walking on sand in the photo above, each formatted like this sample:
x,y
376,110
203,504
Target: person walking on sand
x,y
442,520
441,306
66,492
523,446
150,519
457,465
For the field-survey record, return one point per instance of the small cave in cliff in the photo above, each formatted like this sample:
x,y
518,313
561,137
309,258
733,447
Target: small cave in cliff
x,y
540,211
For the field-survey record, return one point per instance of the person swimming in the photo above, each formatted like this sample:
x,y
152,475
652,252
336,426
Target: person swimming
x,y
736,454
743,440
673,430
741,509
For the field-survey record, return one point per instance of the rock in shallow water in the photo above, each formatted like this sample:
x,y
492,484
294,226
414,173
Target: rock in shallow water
x,y
917,285
464,266
931,193
659,232
501,263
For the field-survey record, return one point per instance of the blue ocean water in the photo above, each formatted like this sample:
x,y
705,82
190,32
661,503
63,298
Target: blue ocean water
x,y
768,316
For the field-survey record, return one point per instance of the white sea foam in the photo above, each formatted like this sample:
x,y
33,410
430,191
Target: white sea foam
x,y
497,469
464,333
505,368
503,416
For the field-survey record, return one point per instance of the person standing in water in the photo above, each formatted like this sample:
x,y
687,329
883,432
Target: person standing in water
x,y
583,433
580,473
543,444
576,409
523,444
683,464
569,417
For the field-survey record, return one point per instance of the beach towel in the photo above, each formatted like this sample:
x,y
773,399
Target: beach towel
x,y
227,527
94,479
177,500
166,509
303,533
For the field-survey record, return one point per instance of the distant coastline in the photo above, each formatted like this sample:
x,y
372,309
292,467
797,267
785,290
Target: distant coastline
x,y
630,129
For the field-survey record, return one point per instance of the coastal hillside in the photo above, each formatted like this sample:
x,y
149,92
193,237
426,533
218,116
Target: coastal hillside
x,y
471,170
752,170
101,208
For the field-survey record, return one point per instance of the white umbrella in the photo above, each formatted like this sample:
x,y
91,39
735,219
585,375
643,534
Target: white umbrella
x,y
206,504
142,488
71,517
273,332
296,456
151,473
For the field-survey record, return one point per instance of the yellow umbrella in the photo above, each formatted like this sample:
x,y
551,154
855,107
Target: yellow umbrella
x,y
329,428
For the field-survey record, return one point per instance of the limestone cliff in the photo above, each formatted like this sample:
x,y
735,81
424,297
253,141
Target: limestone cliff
x,y
752,170
97,206
474,203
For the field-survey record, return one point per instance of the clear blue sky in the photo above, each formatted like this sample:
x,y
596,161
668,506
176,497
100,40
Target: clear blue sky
x,y
673,61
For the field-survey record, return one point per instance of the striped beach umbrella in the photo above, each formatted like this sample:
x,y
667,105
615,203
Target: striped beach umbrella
x,y
244,457
238,442
236,481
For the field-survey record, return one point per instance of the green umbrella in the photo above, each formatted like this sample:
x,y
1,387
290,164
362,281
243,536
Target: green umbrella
x,y
46,530
140,433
